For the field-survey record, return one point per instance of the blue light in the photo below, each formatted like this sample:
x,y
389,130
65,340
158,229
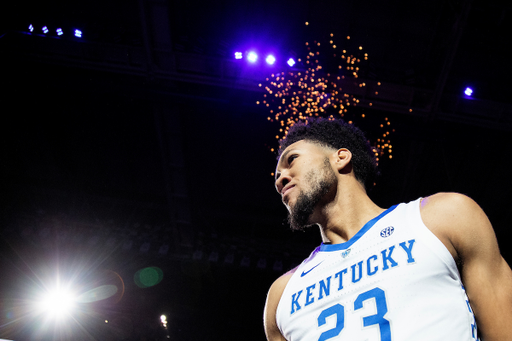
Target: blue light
x,y
252,57
270,59
45,30
31,28
78,33
468,91
238,55
291,62
59,32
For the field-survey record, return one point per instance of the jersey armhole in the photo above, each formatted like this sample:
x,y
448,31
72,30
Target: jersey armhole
x,y
279,304
433,242
295,273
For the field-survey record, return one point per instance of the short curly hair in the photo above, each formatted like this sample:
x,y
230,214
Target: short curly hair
x,y
337,134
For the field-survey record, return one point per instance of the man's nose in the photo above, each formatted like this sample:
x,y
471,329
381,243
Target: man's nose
x,y
282,181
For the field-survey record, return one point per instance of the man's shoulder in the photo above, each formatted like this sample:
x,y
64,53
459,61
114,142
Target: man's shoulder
x,y
273,298
277,288
279,284
455,219
446,203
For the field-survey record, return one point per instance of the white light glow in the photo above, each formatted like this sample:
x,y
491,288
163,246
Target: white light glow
x,y
163,320
97,294
57,303
270,59
252,57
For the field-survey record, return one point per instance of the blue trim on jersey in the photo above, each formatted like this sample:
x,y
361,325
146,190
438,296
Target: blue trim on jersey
x,y
359,234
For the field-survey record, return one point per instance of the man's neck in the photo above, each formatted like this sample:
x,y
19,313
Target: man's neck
x,y
351,209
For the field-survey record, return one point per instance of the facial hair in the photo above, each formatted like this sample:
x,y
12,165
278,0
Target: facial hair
x,y
321,182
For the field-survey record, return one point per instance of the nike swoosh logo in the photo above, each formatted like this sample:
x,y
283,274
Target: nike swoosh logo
x,y
304,273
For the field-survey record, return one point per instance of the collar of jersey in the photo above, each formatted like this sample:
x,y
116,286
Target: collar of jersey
x,y
359,234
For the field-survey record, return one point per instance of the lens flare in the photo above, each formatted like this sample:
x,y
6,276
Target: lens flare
x,y
148,277
97,294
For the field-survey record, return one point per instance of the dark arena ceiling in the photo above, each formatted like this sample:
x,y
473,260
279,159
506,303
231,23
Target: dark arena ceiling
x,y
140,147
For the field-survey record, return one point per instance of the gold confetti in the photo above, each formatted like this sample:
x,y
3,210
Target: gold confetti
x,y
309,94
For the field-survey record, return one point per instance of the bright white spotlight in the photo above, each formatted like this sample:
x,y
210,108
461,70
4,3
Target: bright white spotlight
x,y
238,55
60,32
468,91
252,57
270,59
163,320
78,33
45,29
291,62
31,28
57,303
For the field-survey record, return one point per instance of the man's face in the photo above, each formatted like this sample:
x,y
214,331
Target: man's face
x,y
304,177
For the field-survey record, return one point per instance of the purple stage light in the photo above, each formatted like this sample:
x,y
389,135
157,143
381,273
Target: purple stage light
x,y
59,32
270,59
252,57
291,62
31,28
78,33
238,55
45,29
468,91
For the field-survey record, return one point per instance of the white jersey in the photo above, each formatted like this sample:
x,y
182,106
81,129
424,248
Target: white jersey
x,y
393,281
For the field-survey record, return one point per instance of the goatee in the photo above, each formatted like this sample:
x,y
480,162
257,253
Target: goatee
x,y
321,182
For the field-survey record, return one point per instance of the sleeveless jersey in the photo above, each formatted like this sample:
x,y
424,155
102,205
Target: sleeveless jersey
x,y
393,281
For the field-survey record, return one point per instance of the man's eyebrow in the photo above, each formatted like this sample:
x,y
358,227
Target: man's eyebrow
x,y
282,157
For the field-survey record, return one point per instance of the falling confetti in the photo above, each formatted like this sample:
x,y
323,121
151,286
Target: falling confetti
x,y
310,91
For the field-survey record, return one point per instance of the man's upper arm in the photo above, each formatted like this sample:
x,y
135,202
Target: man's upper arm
x,y
269,316
485,274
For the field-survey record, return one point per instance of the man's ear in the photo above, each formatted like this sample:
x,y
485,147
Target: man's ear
x,y
342,163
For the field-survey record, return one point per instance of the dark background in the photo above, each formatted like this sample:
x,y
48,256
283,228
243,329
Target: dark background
x,y
141,144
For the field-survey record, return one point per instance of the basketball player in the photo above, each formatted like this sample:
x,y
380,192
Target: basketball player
x,y
425,270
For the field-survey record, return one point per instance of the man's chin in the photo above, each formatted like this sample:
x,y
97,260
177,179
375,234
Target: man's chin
x,y
299,223
289,202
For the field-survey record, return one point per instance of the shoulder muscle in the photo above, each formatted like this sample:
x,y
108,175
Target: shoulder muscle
x,y
273,297
459,222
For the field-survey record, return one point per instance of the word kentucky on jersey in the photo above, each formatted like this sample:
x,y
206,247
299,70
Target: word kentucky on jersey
x,y
352,274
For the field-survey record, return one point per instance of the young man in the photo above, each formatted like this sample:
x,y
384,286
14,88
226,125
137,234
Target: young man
x,y
404,273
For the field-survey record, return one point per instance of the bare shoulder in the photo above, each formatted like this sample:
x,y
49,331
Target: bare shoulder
x,y
277,288
447,205
453,210
457,221
273,298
